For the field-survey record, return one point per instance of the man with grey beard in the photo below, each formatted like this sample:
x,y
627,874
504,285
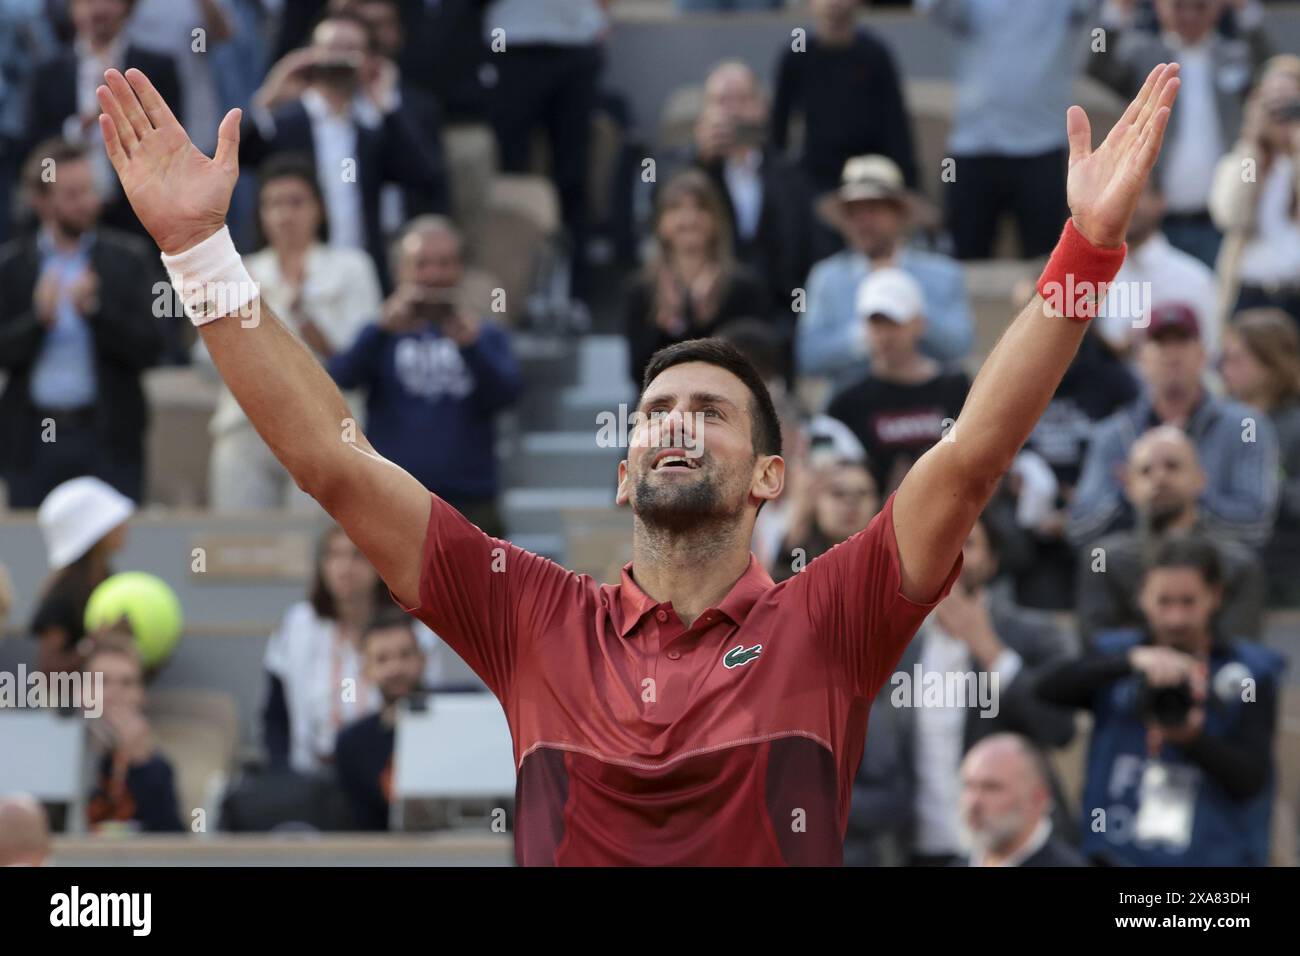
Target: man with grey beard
x,y
1006,806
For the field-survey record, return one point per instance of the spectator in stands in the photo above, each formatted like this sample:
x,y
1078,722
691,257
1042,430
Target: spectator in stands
x,y
135,783
436,375
692,283
1163,482
327,294
767,199
1237,446
167,28
26,38
832,502
446,54
977,632
83,522
842,82
1015,71
77,329
1155,272
1180,763
24,831
338,101
1097,384
1254,199
316,683
907,401
384,20
1261,367
1216,71
62,89
363,755
1006,803
548,59
872,209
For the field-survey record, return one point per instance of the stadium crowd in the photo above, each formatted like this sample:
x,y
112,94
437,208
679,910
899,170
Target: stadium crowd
x,y
1126,568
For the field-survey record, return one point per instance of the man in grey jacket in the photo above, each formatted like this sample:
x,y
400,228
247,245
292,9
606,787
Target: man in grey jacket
x,y
906,793
1236,444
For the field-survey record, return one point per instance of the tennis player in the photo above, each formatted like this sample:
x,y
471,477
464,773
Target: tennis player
x,y
694,713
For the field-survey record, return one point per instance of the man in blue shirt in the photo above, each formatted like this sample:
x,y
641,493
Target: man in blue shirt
x,y
435,374
871,209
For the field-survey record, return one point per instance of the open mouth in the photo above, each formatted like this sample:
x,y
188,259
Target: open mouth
x,y
673,460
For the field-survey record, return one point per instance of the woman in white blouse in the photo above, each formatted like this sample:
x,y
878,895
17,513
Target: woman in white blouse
x,y
1256,197
325,294
316,683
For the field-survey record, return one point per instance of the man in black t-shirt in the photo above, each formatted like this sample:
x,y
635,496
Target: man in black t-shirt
x,y
907,402
363,753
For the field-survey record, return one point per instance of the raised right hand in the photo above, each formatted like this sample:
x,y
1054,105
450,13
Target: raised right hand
x,y
180,196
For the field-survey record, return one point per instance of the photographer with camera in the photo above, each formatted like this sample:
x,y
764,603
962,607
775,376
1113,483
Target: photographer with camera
x,y
1180,767
435,375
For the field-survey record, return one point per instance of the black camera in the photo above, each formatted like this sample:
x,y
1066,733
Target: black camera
x,y
1166,706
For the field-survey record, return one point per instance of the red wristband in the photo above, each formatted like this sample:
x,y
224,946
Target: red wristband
x,y
1078,274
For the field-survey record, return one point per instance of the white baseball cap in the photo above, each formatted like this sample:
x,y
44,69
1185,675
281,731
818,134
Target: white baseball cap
x,y
78,513
891,293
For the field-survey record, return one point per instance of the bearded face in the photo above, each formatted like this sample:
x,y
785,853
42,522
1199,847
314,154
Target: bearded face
x,y
691,461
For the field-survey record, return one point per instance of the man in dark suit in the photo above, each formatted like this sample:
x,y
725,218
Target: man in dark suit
x,y
1006,805
62,92
77,329
976,642
340,102
768,199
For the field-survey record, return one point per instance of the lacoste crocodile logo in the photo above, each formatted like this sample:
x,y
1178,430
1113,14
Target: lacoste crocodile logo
x,y
740,654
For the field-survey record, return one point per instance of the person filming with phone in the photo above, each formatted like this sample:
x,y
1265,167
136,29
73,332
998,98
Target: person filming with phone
x,y
435,375
339,101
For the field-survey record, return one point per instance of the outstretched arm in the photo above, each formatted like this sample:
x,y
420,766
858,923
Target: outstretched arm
x,y
939,500
181,197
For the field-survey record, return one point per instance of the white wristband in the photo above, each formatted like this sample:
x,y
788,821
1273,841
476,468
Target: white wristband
x,y
211,279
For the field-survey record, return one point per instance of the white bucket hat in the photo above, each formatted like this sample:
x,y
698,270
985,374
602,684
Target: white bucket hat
x,y
78,513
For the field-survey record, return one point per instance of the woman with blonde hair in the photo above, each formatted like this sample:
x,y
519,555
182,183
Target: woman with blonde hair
x,y
1261,366
692,283
1255,199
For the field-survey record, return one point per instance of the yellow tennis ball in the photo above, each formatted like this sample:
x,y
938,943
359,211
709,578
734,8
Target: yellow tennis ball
x,y
150,607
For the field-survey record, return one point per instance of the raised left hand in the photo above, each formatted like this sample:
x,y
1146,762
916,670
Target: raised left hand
x,y
1104,184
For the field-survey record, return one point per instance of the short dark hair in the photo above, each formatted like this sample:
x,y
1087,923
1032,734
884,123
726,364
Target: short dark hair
x,y
766,424
1193,551
288,165
387,618
57,149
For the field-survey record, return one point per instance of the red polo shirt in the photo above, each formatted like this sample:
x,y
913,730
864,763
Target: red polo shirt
x,y
640,741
